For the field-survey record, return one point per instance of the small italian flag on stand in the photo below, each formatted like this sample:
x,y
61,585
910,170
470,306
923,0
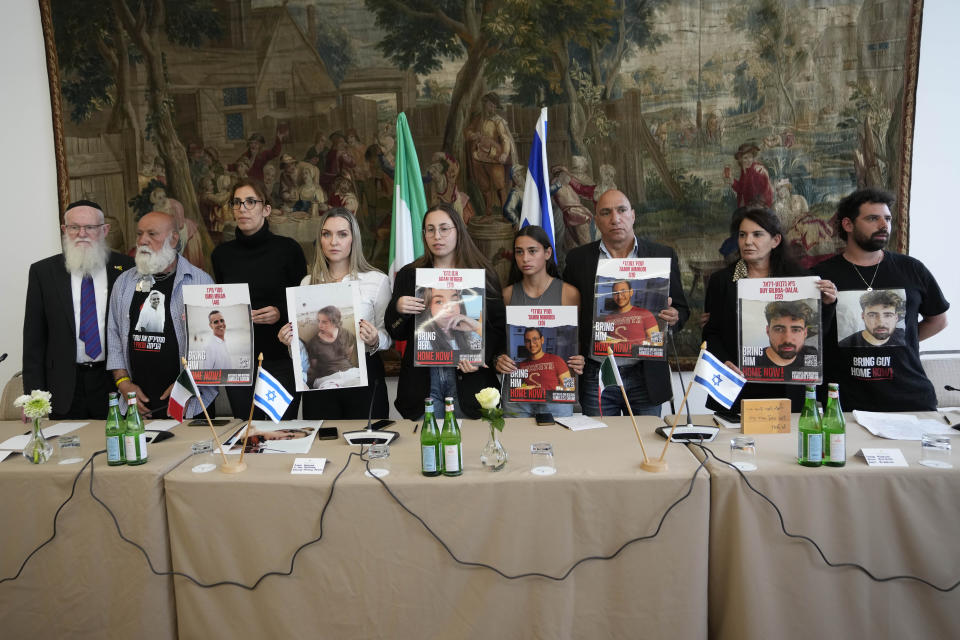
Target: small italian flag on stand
x,y
184,388
609,377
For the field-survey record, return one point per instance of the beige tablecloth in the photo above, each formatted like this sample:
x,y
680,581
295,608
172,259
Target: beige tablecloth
x,y
377,573
891,520
87,583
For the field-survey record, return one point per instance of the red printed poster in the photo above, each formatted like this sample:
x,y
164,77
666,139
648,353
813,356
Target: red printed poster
x,y
450,329
220,333
780,330
630,292
540,340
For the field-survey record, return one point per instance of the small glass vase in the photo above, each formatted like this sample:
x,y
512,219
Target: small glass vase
x,y
38,450
493,457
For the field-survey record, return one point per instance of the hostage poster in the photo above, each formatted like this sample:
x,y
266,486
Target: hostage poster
x,y
326,350
630,292
450,328
540,340
780,334
219,333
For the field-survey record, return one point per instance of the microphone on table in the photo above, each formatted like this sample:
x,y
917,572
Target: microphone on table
x,y
368,435
3,357
946,386
695,432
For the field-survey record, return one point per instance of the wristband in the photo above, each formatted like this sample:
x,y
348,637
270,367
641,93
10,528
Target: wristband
x,y
121,379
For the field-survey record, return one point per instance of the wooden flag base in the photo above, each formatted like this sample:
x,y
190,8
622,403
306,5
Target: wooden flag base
x,y
654,466
233,467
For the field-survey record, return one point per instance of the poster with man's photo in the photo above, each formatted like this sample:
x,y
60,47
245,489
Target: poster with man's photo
x,y
449,330
219,333
780,333
291,436
872,318
630,292
326,348
540,340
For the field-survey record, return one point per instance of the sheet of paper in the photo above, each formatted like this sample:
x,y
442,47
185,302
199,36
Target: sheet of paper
x,y
765,416
899,426
308,465
4,454
884,457
62,428
15,443
580,422
161,425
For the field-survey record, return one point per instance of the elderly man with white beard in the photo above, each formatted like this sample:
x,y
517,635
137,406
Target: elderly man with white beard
x,y
65,317
144,358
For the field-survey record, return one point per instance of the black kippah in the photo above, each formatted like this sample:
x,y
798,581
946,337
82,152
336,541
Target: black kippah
x,y
84,203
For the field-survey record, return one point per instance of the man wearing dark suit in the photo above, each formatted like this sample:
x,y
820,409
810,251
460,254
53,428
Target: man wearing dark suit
x,y
647,382
64,344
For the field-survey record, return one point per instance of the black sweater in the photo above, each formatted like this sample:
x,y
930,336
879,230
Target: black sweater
x,y
269,264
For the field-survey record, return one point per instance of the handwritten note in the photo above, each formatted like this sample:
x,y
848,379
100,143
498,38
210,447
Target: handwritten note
x,y
765,416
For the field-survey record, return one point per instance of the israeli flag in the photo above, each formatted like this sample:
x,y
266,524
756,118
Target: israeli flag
x,y
721,382
536,208
270,396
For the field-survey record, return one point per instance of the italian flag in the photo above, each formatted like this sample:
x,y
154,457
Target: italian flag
x,y
609,376
183,389
409,203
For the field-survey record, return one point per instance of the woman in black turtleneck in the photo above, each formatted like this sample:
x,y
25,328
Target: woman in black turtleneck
x,y
269,264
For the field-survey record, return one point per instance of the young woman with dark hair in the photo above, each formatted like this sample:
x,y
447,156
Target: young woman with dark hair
x,y
446,245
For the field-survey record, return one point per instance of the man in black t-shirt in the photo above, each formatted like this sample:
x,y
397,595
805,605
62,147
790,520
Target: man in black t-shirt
x,y
886,376
788,323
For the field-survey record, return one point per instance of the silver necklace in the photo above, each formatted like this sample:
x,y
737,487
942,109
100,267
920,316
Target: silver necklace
x,y
876,270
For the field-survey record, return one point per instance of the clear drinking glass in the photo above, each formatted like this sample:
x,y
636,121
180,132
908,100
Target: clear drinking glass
x,y
68,449
935,451
378,456
541,459
204,456
743,453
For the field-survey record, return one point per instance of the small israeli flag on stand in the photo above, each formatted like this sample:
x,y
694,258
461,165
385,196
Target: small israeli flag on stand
x,y
270,396
721,382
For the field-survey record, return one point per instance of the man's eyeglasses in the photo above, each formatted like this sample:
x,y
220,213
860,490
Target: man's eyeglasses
x,y
248,203
443,230
74,229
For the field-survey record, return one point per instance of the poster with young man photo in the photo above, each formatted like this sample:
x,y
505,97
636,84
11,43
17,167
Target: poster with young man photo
x,y
540,340
629,294
780,330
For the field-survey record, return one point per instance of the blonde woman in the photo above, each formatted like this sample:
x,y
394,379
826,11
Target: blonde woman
x,y
340,259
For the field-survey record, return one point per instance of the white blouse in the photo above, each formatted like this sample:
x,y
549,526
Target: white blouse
x,y
374,298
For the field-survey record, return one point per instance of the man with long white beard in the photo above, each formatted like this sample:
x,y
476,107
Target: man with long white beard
x,y
65,318
144,357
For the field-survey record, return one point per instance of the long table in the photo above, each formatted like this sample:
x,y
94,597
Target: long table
x,y
87,583
377,572
894,521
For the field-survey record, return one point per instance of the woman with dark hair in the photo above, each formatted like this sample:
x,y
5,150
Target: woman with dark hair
x,y
446,245
535,280
763,254
340,259
269,264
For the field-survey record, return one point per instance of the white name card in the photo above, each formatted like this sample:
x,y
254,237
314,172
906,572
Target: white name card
x,y
308,466
884,457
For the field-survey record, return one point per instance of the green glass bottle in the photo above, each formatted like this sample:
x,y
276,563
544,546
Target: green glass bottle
x,y
115,426
431,454
134,437
450,441
834,429
810,432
